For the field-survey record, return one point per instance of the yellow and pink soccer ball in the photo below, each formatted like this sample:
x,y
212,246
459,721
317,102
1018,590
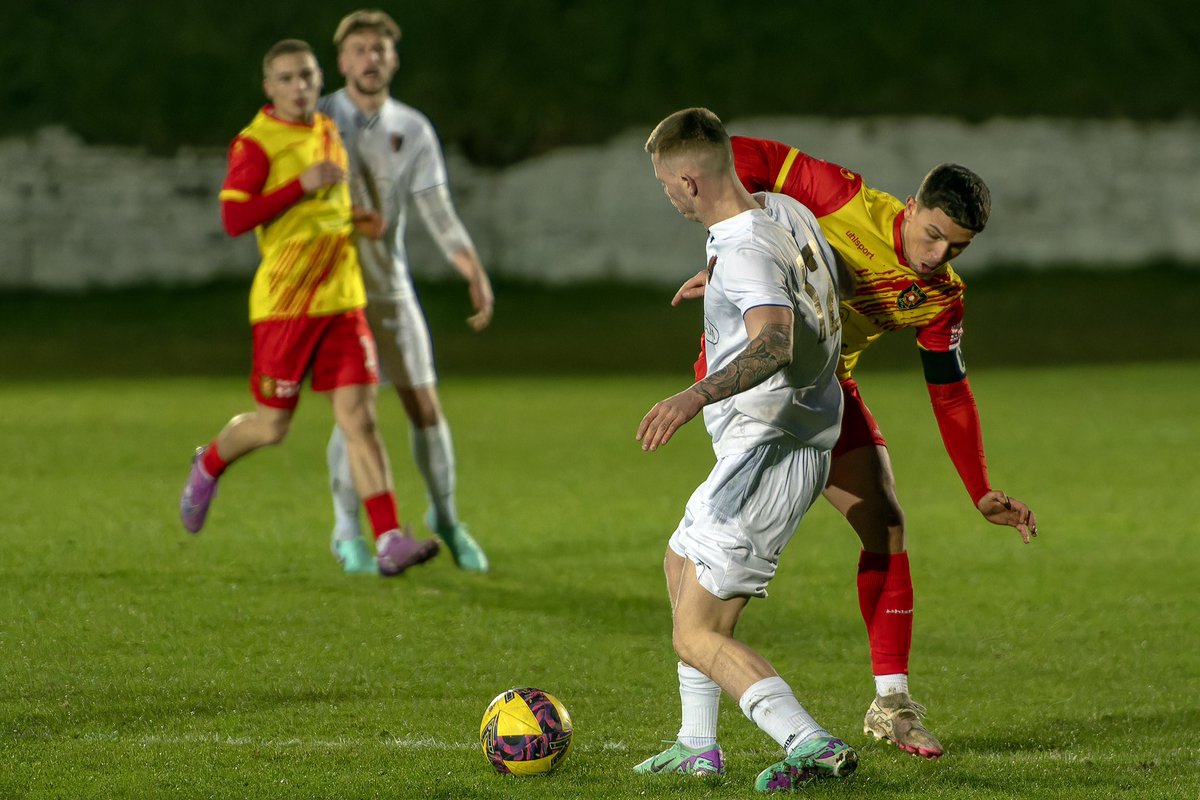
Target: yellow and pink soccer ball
x,y
525,732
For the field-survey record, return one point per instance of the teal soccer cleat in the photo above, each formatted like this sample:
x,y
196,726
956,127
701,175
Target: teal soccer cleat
x,y
468,555
355,556
680,759
822,757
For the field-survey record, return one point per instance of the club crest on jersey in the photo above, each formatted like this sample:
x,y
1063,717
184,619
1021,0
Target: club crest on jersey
x,y
712,263
397,142
910,298
270,387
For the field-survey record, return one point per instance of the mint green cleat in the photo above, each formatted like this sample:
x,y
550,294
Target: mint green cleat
x,y
822,757
355,556
468,555
679,759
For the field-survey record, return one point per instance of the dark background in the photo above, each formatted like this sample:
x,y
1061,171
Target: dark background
x,y
506,80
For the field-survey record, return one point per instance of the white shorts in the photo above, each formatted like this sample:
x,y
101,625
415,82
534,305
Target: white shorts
x,y
402,339
739,520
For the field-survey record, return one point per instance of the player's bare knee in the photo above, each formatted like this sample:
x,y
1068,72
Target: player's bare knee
x,y
275,430
421,405
687,639
363,428
682,645
426,418
357,421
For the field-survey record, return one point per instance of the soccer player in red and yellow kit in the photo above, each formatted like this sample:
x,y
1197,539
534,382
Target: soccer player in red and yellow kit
x,y
286,181
897,275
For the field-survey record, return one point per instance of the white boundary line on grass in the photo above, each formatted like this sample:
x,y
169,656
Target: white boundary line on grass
x,y
340,743
431,743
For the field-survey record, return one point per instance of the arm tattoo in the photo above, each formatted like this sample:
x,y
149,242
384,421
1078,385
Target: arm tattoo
x,y
767,353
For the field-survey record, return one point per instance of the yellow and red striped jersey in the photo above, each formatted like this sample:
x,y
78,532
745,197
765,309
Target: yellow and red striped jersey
x,y
309,264
863,225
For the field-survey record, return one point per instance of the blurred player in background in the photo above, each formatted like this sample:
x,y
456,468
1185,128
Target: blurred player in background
x,y
286,181
771,403
897,256
395,155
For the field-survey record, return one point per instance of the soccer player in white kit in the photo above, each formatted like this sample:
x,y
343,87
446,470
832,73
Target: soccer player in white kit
x,y
773,407
394,155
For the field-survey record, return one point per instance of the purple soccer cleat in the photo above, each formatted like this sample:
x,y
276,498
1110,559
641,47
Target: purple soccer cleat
x,y
397,550
198,494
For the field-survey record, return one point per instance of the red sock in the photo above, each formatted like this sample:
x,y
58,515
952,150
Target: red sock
x,y
872,572
381,508
891,625
212,462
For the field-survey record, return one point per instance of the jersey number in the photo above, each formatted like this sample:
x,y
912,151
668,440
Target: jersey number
x,y
828,319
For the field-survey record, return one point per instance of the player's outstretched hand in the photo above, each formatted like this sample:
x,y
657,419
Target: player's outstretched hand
x,y
320,175
692,288
668,416
1000,509
482,300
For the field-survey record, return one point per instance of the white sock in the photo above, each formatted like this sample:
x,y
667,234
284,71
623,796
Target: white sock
x,y
345,496
433,451
771,705
891,684
700,697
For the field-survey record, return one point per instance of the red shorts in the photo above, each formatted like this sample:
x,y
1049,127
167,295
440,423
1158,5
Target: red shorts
x,y
859,428
337,349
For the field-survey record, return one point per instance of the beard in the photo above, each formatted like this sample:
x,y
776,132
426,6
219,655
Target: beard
x,y
370,85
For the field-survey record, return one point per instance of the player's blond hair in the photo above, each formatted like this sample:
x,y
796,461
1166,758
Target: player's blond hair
x,y
285,47
695,132
366,19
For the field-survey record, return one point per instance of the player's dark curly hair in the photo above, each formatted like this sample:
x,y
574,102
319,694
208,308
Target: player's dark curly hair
x,y
960,193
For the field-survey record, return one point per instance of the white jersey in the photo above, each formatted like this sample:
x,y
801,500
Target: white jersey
x,y
774,257
393,155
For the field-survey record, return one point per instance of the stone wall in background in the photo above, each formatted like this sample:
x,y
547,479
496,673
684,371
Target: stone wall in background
x,y
1096,194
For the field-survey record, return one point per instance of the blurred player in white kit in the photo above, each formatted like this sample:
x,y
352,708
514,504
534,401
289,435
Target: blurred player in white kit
x,y
394,155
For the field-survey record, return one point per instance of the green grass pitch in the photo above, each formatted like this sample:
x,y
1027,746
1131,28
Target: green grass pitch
x,y
137,661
